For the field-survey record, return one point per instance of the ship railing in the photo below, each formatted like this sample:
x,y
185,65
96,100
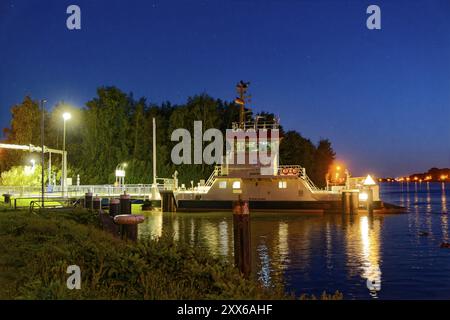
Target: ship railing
x,y
310,183
211,178
217,172
291,170
255,125
296,170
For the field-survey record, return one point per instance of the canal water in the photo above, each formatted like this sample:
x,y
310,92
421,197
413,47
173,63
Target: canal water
x,y
399,254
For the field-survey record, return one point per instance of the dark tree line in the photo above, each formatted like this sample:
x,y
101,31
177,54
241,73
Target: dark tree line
x,y
114,127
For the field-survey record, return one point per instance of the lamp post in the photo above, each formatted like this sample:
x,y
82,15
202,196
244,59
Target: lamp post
x,y
43,101
120,174
66,116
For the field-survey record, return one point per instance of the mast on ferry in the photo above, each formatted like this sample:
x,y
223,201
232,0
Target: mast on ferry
x,y
241,100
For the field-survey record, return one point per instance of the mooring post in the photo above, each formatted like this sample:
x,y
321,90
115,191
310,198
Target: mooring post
x,y
242,236
369,200
125,203
114,207
97,204
88,200
346,198
350,201
354,202
168,202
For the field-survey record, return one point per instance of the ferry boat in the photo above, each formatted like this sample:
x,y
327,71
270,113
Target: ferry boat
x,y
266,188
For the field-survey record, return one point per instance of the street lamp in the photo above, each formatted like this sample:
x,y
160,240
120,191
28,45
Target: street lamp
x,y
66,116
43,101
120,173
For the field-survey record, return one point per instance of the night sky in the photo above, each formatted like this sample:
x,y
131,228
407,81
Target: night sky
x,y
381,96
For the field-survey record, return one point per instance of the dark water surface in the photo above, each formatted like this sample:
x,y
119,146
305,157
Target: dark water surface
x,y
311,253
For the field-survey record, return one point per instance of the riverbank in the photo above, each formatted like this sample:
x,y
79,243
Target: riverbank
x,y
35,251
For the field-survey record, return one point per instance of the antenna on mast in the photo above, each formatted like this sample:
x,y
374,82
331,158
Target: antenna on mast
x,y
241,100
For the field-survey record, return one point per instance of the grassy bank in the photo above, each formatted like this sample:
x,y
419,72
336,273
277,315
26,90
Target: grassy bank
x,y
35,251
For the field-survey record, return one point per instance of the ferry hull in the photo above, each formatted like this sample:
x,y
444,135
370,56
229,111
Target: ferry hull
x,y
225,205
310,207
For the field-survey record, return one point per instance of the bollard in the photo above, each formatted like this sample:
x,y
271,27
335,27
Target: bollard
x,y
97,204
128,225
241,236
88,201
125,204
114,207
128,232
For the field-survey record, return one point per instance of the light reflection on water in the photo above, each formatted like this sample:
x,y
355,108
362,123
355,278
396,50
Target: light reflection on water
x,y
313,253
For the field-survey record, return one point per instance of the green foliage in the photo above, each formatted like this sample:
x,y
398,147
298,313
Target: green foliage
x,y
35,252
21,176
25,176
114,128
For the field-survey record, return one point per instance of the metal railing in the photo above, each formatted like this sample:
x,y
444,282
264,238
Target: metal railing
x,y
256,125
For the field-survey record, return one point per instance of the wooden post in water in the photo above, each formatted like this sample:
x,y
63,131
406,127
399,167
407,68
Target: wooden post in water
x,y
241,236
370,200
354,202
350,201
168,202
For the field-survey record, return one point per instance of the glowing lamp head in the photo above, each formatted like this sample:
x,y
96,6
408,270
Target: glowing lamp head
x,y
369,181
66,116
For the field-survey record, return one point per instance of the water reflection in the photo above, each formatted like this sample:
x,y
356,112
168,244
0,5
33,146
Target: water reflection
x,y
279,244
363,249
361,255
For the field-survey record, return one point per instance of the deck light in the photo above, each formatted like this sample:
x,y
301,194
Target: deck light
x,y
363,196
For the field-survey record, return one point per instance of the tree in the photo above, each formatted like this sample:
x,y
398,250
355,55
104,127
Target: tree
x,y
114,127
24,129
323,158
294,149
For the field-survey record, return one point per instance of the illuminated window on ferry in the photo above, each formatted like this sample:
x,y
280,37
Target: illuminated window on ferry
x,y
282,184
236,184
263,146
222,184
252,146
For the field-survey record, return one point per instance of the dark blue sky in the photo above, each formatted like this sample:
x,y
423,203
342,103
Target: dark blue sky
x,y
381,96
